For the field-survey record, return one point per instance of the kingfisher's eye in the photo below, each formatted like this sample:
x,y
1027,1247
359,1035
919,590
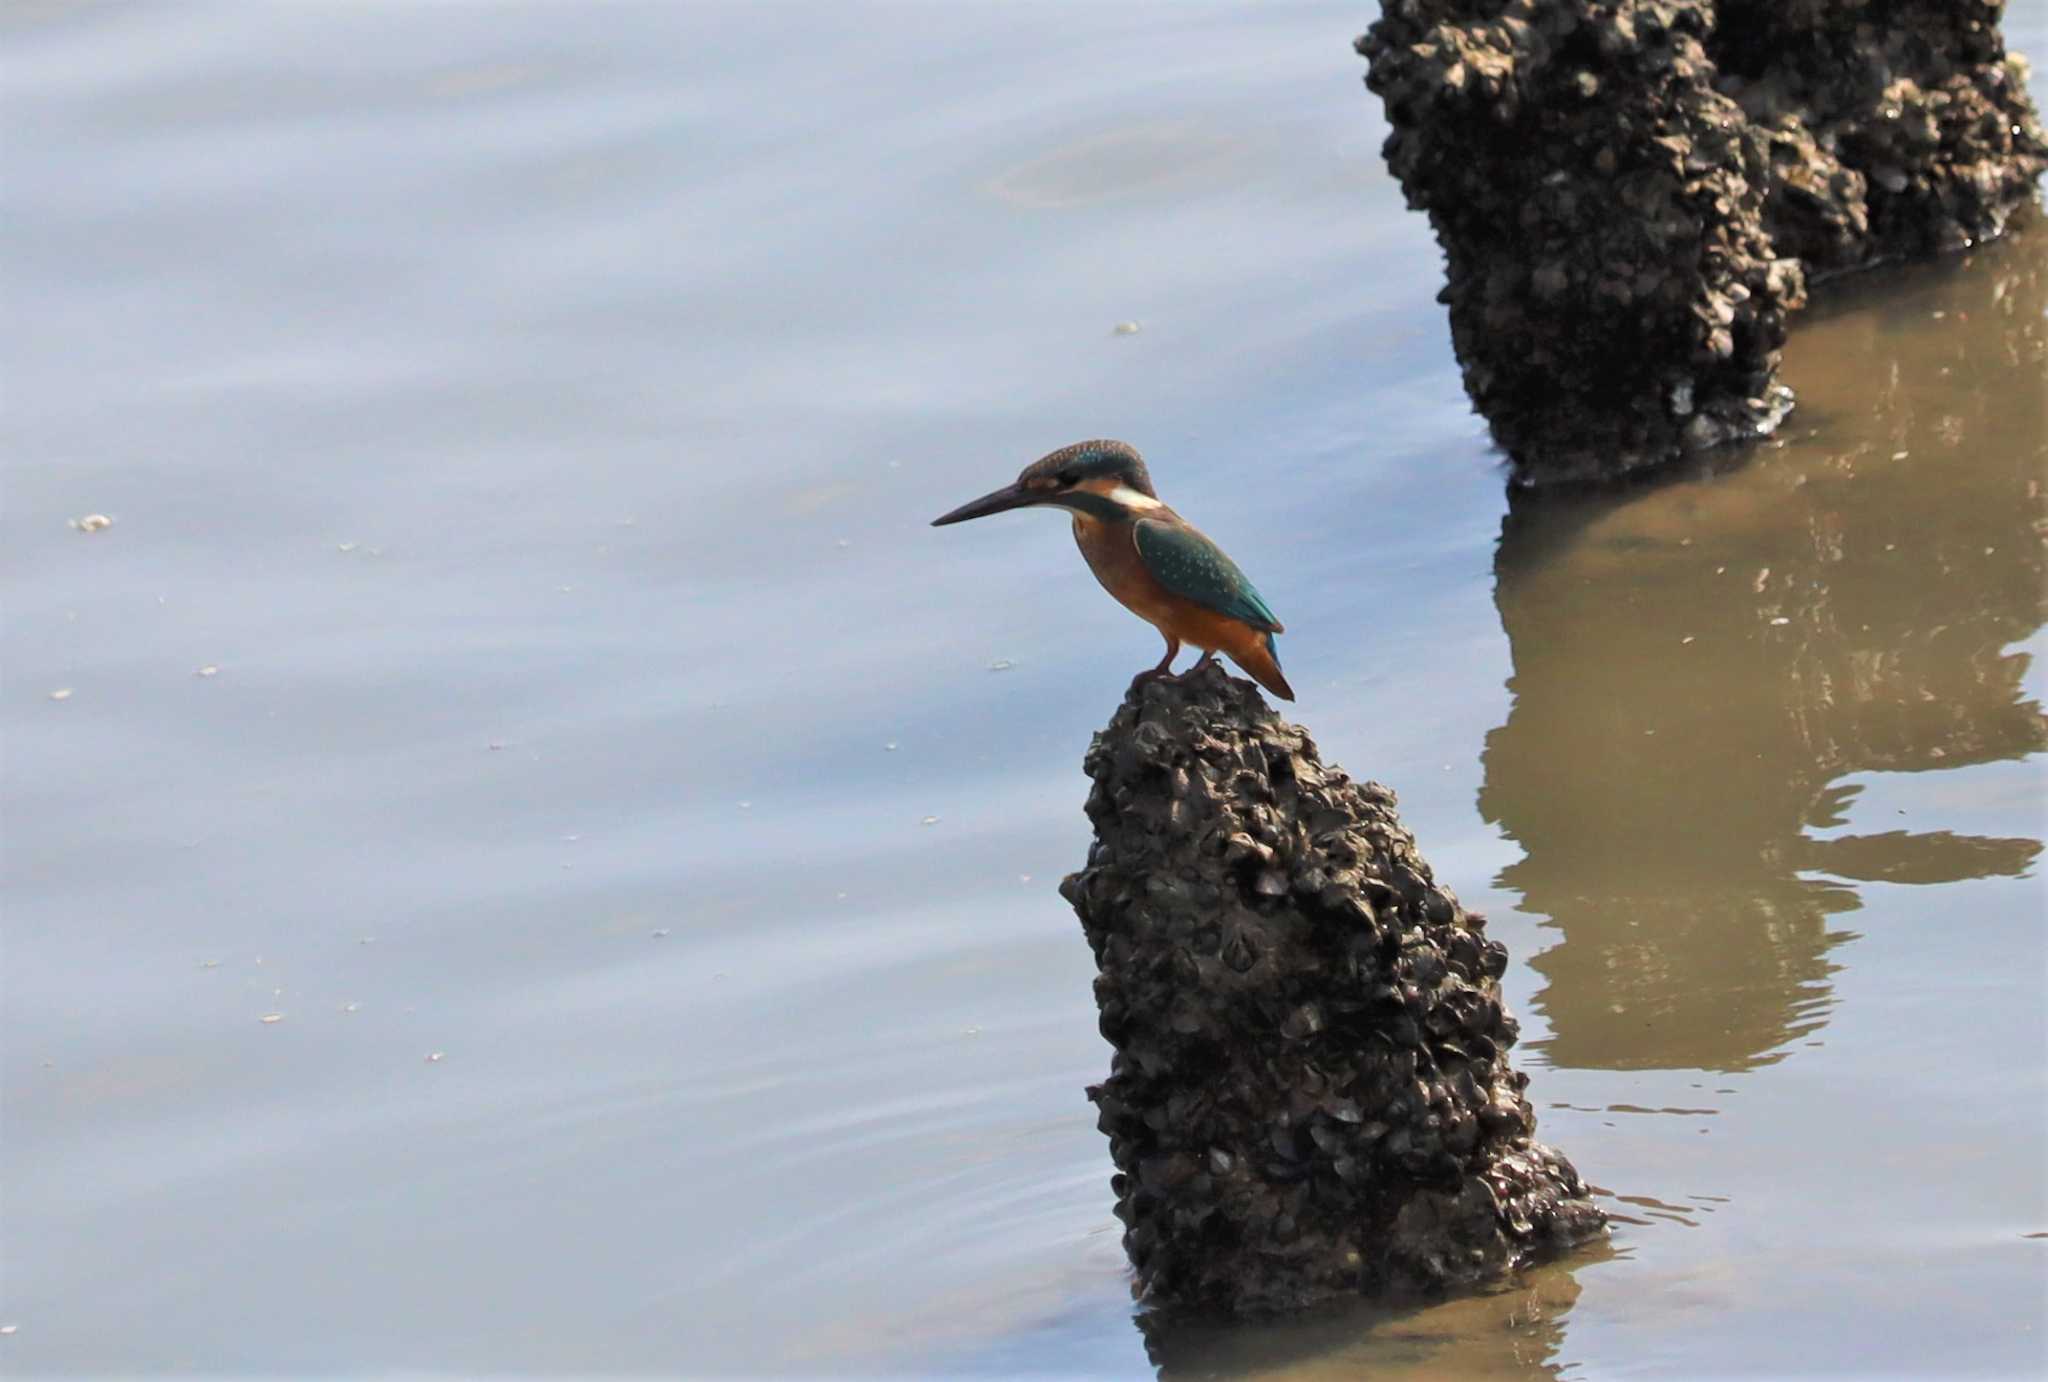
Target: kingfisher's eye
x,y
1068,478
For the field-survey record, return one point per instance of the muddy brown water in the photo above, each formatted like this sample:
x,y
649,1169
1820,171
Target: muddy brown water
x,y
643,830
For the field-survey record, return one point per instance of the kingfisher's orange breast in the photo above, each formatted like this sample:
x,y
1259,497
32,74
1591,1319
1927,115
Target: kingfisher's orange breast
x,y
1111,551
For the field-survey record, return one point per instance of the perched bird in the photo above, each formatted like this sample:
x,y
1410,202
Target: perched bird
x,y
1156,563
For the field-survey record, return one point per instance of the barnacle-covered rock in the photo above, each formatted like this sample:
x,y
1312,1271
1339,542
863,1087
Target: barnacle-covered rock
x,y
1310,1095
1614,297
1631,193
1913,114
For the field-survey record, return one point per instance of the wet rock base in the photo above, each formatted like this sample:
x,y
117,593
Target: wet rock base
x,y
1310,1096
1632,194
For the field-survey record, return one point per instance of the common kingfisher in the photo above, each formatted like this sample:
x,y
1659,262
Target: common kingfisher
x,y
1156,563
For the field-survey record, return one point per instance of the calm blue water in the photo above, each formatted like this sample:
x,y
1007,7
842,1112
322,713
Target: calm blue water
x,y
518,665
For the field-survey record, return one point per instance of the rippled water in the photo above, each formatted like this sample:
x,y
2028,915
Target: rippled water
x,y
519,666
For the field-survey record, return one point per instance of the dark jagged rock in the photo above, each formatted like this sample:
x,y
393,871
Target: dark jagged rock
x,y
1311,1095
1896,130
1614,296
1630,193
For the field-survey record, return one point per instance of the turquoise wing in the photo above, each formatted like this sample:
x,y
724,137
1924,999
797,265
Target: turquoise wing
x,y
1195,568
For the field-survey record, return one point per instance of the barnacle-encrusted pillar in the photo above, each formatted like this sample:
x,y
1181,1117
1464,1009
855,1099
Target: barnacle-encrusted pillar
x,y
1896,129
1632,194
1310,1095
1614,297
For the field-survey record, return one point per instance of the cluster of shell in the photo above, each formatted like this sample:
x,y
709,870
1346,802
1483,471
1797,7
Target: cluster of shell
x,y
1907,134
1310,1095
1630,192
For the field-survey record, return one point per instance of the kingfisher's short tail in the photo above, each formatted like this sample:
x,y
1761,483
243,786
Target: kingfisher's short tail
x,y
1261,658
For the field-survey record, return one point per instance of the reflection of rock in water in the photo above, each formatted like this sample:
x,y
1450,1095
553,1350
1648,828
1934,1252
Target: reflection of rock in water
x,y
1515,1329
1311,1095
1696,666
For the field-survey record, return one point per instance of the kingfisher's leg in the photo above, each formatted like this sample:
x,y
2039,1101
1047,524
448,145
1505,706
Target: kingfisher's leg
x,y
1165,667
1207,658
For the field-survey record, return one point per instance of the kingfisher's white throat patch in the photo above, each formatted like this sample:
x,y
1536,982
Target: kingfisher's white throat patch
x,y
1128,500
1134,499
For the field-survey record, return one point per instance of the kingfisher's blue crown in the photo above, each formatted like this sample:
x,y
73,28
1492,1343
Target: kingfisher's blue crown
x,y
1089,460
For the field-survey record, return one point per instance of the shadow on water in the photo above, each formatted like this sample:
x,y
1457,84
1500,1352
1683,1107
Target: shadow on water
x,y
1699,665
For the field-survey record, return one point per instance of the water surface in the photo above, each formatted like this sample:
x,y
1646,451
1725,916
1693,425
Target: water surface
x,y
519,666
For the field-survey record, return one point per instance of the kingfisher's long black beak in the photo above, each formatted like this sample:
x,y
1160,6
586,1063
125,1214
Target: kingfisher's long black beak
x,y
1008,497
